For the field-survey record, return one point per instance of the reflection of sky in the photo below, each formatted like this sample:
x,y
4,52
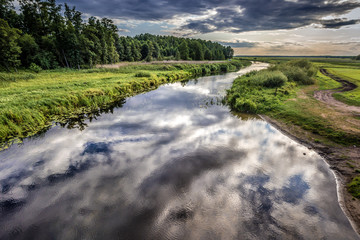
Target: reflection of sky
x,y
167,165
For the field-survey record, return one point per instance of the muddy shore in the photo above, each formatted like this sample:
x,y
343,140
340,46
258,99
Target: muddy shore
x,y
336,158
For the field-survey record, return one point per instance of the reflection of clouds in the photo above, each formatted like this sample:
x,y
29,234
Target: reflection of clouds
x,y
162,167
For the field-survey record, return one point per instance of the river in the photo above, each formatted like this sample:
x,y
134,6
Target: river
x,y
173,163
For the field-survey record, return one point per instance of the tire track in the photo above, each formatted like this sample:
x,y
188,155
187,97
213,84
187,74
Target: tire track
x,y
326,96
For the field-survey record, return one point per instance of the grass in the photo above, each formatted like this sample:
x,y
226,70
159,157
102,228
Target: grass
x,y
352,75
30,102
354,187
263,91
293,103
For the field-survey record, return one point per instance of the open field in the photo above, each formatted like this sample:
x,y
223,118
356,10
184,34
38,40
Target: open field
x,y
30,102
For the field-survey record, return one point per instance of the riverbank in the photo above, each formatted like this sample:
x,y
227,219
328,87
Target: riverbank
x,y
30,102
330,129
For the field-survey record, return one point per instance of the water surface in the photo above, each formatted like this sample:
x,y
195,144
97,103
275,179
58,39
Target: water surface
x,y
173,163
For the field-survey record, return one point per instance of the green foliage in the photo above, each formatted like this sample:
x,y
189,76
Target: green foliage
x,y
29,49
300,71
245,105
254,92
269,79
354,187
35,68
142,74
9,48
53,36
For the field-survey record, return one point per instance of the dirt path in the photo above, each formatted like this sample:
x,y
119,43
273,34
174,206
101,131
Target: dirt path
x,y
326,96
122,64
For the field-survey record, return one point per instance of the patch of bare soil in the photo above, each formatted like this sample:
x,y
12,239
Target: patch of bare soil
x,y
122,64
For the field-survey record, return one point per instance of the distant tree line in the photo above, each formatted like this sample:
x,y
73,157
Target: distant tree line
x,y
44,34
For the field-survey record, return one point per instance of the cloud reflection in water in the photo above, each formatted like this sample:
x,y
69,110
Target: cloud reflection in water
x,y
165,167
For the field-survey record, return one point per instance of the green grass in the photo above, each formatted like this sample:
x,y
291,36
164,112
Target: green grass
x,y
263,91
352,75
326,83
306,113
354,187
285,104
30,102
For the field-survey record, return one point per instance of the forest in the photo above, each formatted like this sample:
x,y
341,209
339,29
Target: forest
x,y
46,35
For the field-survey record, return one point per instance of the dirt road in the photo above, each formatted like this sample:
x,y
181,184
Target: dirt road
x,y
326,96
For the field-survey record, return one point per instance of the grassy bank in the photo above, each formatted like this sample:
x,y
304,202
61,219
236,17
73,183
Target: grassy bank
x,y
288,99
29,102
352,75
284,92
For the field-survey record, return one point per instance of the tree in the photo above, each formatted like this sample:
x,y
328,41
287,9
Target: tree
x,y
207,54
228,52
357,57
9,48
177,55
50,35
184,50
197,51
29,49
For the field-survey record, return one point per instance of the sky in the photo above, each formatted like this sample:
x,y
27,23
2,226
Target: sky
x,y
251,27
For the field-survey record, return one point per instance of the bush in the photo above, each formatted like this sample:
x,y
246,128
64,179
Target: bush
x,y
246,105
35,68
298,75
269,79
142,74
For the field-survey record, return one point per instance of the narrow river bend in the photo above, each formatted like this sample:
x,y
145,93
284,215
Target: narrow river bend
x,y
173,163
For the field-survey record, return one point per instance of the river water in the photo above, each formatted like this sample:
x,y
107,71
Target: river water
x,y
173,163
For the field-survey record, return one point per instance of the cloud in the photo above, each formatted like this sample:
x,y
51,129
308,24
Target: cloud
x,y
338,22
228,15
239,44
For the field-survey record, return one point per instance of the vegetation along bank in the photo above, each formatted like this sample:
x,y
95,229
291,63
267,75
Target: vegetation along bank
x,y
30,102
316,102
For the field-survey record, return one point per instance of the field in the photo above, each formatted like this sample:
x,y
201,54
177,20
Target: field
x,y
30,102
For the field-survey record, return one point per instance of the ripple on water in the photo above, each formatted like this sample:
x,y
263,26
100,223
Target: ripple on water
x,y
173,163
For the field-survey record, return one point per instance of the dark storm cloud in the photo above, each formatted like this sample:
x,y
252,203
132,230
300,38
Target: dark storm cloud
x,y
239,44
338,23
231,15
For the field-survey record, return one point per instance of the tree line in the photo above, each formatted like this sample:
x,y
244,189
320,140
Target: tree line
x,y
48,35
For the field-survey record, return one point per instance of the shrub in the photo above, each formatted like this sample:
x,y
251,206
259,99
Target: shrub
x,y
298,75
246,105
269,79
35,68
224,68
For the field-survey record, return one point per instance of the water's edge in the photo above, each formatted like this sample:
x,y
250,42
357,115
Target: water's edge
x,y
340,181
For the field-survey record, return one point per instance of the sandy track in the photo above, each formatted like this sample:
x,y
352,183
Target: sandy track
x,y
326,96
122,64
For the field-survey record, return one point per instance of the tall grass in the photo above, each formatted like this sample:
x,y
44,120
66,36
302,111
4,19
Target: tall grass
x,y
258,92
30,102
